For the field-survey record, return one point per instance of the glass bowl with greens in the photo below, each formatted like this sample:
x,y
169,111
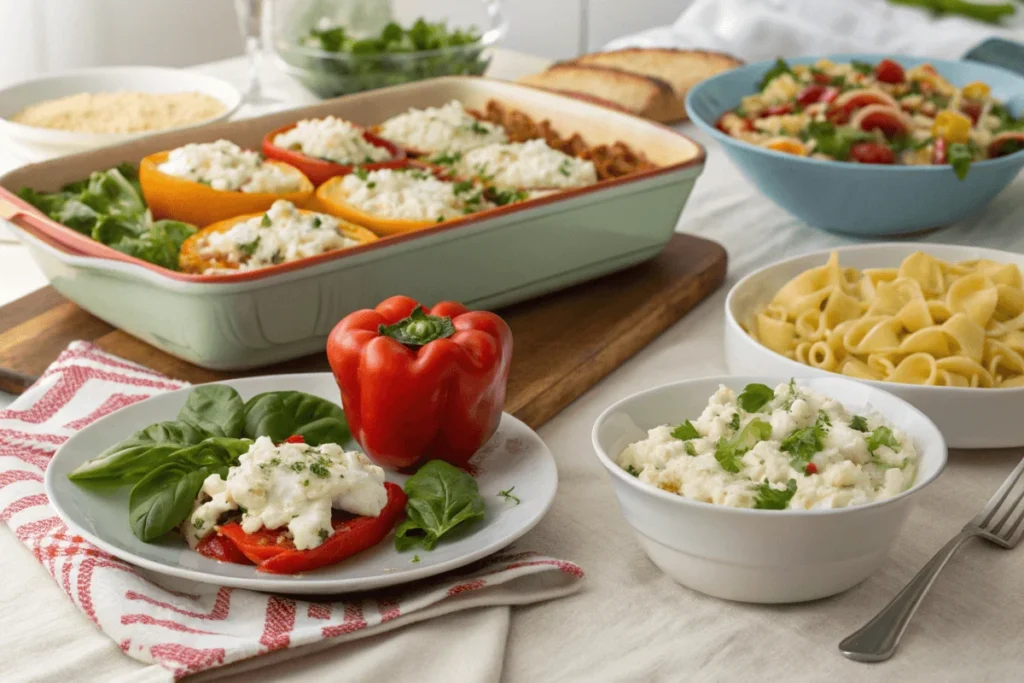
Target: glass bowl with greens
x,y
337,47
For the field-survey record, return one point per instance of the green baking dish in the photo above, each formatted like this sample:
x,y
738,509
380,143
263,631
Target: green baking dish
x,y
245,320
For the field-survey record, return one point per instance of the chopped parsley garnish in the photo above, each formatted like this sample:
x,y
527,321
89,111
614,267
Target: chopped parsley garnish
x,y
277,257
306,483
564,168
882,436
735,421
754,396
319,469
415,559
685,431
317,222
507,196
324,534
729,451
780,67
859,423
447,158
298,466
803,444
689,448
632,470
478,128
823,419
462,186
266,221
370,185
360,172
250,248
862,67
508,495
198,522
440,219
771,498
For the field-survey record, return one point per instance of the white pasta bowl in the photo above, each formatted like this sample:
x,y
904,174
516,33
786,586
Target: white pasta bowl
x,y
37,144
968,417
763,556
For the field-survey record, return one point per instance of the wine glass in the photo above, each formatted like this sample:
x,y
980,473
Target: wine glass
x,y
251,15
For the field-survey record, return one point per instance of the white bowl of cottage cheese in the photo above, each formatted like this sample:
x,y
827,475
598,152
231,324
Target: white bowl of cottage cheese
x,y
767,490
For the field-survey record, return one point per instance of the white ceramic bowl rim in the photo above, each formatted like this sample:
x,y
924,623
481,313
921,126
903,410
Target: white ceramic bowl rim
x,y
75,137
685,502
713,131
798,368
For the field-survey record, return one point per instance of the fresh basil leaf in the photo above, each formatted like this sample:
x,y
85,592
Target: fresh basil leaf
x,y
685,431
771,498
780,67
960,157
280,414
441,498
163,498
128,461
754,396
859,423
217,409
882,436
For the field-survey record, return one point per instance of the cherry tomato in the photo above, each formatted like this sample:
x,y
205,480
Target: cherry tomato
x,y
888,71
811,468
838,115
810,94
939,152
821,77
972,108
777,110
829,95
872,153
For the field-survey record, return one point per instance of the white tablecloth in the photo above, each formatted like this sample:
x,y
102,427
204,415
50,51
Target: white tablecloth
x,y
630,623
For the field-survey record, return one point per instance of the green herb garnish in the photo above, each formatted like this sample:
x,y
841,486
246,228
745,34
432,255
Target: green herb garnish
x,y
882,436
780,67
859,423
862,67
319,469
689,448
632,470
803,444
754,396
685,431
266,221
734,423
507,495
249,248
960,157
771,498
324,535
729,451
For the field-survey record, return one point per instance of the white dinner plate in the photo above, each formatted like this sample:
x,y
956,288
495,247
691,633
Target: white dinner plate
x,y
515,456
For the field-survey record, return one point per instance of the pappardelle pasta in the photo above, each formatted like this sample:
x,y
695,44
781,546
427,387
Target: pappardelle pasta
x,y
926,322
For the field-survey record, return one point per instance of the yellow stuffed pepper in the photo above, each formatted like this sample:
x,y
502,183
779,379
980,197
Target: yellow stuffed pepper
x,y
283,234
209,182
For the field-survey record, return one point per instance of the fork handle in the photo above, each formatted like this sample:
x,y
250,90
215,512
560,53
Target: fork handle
x,y
877,640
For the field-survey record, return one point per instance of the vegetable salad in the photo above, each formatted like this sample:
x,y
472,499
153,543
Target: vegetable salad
x,y
875,114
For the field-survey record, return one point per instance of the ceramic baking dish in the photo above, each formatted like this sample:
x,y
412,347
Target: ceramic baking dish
x,y
244,320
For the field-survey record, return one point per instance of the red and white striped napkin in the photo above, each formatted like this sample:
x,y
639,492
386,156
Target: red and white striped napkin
x,y
202,627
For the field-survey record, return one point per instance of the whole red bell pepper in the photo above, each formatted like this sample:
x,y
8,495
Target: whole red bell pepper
x,y
271,550
421,384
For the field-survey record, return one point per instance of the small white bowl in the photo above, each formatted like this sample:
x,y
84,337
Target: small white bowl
x,y
43,143
763,556
968,418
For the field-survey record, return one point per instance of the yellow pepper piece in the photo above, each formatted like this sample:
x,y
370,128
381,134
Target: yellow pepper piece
x,y
976,90
952,126
788,146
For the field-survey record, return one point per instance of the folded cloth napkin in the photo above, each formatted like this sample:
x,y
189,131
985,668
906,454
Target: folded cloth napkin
x,y
765,29
196,627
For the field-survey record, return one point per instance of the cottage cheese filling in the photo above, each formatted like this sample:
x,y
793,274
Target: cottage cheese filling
x,y
412,194
798,450
225,166
293,486
280,235
441,129
526,165
331,139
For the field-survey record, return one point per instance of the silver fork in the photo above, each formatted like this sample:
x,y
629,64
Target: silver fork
x,y
1001,522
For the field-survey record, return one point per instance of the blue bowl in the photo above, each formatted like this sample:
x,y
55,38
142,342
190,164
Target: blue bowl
x,y
862,199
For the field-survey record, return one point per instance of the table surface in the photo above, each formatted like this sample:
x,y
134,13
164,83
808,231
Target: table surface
x,y
631,622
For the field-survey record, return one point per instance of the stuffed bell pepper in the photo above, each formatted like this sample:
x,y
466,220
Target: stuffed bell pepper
x,y
283,234
421,384
202,183
400,200
329,147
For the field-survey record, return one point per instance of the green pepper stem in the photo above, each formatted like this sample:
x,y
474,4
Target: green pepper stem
x,y
419,329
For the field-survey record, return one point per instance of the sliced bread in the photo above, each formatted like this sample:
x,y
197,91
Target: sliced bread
x,y
641,95
681,69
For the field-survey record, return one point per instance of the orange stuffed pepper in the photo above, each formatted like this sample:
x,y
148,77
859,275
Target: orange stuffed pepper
x,y
209,182
400,200
283,234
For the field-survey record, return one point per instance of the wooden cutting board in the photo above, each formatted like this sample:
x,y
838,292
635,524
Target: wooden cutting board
x,y
565,342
